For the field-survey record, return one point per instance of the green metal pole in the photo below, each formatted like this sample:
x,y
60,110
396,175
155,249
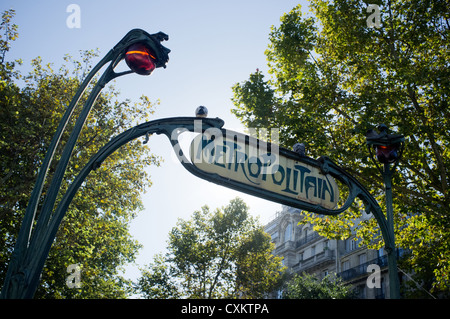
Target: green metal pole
x,y
394,283
29,254
23,240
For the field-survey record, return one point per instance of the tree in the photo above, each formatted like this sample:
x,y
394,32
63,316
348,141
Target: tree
x,y
220,254
95,231
156,282
258,271
306,286
333,77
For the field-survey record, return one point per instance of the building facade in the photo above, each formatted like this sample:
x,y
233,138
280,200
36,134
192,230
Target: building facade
x,y
304,251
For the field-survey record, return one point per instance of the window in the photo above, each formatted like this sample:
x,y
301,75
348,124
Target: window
x,y
274,236
288,232
313,250
348,244
362,259
354,245
346,265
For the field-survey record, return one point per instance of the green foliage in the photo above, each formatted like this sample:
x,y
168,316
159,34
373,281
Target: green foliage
x,y
306,286
95,230
10,34
156,282
332,78
258,271
220,254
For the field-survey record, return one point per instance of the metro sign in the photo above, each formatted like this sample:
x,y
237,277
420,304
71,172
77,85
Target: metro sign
x,y
262,169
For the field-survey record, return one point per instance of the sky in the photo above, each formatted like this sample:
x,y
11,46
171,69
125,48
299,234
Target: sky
x,y
214,44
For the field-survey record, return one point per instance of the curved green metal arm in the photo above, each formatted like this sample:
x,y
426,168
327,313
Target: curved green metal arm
x,y
162,126
172,127
29,241
29,274
356,190
25,239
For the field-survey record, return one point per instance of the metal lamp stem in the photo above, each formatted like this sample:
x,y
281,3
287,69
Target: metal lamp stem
x,y
30,251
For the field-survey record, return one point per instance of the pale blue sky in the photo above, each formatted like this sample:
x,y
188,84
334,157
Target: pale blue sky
x,y
214,44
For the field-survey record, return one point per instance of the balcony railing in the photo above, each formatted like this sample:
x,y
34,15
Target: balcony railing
x,y
313,261
296,244
307,239
361,270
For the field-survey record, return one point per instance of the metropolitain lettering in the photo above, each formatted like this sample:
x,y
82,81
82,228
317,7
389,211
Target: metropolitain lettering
x,y
246,162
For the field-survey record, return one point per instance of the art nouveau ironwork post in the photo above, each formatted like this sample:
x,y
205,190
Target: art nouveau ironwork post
x,y
388,150
143,53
